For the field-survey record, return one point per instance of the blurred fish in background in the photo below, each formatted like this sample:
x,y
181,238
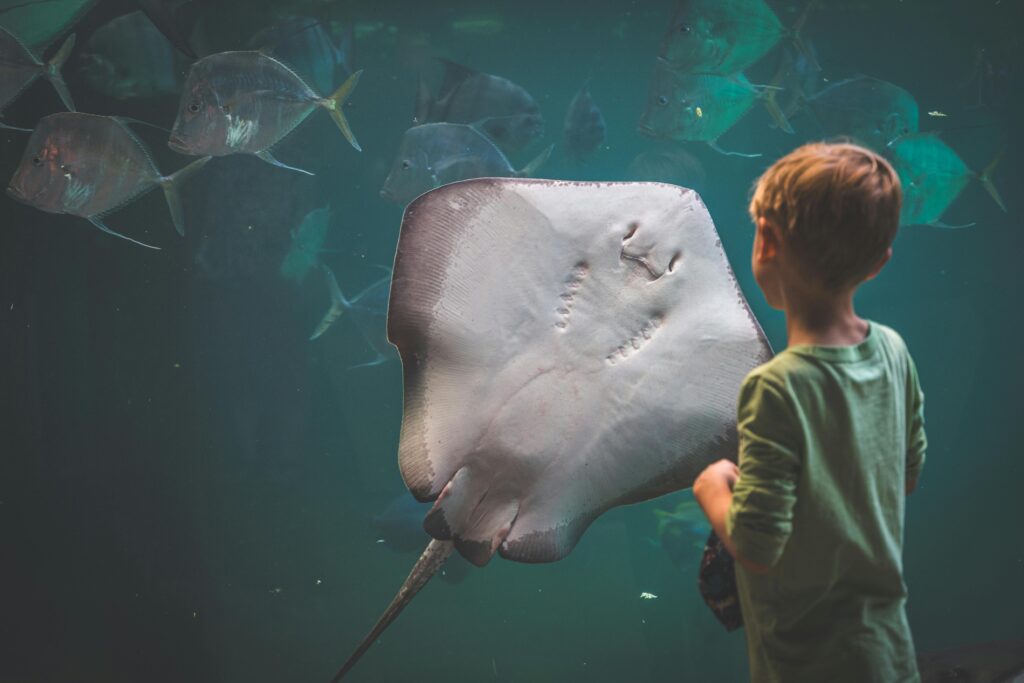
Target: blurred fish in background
x,y
502,110
86,165
307,244
585,129
38,23
129,58
309,46
668,164
434,154
368,310
995,662
245,103
869,110
682,533
799,76
167,16
933,176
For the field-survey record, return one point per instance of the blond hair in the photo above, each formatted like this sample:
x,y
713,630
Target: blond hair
x,y
837,204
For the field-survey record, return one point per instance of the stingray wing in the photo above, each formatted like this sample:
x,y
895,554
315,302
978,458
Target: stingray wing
x,y
567,347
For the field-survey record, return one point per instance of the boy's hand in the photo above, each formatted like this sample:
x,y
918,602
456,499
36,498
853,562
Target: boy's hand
x,y
716,476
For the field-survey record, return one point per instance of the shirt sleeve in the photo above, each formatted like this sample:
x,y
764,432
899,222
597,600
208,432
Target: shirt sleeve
x,y
760,518
917,442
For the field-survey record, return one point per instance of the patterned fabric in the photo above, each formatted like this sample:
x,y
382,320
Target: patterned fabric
x,y
717,583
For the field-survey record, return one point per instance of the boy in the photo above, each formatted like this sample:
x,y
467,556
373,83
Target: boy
x,y
831,434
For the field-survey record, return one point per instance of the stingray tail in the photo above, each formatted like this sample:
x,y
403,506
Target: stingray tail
x,y
52,72
538,161
170,185
986,180
334,104
338,304
428,564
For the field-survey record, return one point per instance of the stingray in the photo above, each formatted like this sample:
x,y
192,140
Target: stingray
x,y
567,347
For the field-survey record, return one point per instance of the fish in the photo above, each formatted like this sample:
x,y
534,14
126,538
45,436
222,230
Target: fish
x,y
368,310
245,103
584,129
724,37
307,244
668,164
933,175
702,107
434,154
21,68
165,15
502,110
994,662
87,165
869,110
937,114
128,58
682,532
307,45
524,308
798,76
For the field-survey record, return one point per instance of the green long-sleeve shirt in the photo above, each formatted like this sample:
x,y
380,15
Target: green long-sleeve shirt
x,y
828,437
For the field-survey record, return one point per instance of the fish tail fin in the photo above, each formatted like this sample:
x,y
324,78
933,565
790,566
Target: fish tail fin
x,y
772,105
798,40
986,180
53,74
338,304
536,163
170,185
334,103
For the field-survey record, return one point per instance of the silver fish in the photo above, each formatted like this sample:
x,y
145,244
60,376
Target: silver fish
x,y
245,103
585,128
87,165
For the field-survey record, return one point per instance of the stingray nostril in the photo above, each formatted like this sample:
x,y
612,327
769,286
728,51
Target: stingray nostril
x,y
676,258
633,226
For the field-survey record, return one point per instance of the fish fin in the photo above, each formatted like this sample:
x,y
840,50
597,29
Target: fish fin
x,y
338,304
380,359
536,163
269,158
454,75
713,144
422,112
4,126
95,220
940,224
170,185
426,566
163,18
139,122
779,116
346,46
334,104
53,74
986,181
798,41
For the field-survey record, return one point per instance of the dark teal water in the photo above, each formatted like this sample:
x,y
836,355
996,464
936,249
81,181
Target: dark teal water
x,y
187,484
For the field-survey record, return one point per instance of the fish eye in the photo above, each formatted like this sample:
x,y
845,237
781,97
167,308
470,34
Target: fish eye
x,y
37,160
662,100
406,164
194,107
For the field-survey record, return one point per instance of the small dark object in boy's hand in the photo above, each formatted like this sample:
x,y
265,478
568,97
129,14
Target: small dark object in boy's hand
x,y
717,583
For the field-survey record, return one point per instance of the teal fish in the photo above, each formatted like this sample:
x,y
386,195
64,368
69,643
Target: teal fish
x,y
307,245
725,36
933,176
682,533
19,68
869,110
702,107
38,23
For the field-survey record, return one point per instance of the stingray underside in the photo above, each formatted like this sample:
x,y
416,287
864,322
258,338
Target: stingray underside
x,y
567,347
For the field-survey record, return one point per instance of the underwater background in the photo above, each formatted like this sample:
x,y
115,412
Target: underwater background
x,y
192,490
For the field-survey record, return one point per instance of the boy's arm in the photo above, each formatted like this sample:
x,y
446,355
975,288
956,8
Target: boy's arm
x,y
917,441
754,518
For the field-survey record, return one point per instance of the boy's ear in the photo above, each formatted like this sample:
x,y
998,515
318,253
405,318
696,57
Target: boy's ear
x,y
767,245
881,264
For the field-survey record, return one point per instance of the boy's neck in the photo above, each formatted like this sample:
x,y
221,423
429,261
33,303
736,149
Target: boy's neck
x,y
823,319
